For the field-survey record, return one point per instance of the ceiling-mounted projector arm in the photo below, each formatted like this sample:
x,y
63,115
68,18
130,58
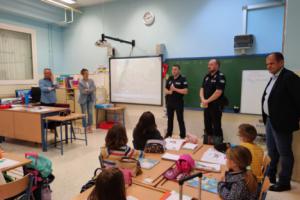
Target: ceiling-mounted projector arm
x,y
103,37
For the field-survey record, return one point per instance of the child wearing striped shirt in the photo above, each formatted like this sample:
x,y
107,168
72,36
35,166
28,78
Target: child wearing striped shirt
x,y
116,147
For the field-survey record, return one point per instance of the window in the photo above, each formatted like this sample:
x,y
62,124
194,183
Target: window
x,y
17,55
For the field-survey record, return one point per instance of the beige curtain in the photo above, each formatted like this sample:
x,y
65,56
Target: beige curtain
x,y
15,55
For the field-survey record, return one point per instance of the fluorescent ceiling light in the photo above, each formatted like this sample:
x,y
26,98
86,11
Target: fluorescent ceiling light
x,y
59,4
69,1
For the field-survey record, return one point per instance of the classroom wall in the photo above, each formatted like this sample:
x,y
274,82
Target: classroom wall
x,y
292,42
49,38
190,28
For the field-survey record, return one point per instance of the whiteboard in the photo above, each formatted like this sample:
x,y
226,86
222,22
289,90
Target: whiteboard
x,y
253,86
136,80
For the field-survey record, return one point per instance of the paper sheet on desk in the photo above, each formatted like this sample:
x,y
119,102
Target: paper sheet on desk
x,y
38,109
173,144
131,198
189,146
175,196
5,162
170,156
214,156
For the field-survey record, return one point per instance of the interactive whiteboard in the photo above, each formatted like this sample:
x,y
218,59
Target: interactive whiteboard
x,y
136,80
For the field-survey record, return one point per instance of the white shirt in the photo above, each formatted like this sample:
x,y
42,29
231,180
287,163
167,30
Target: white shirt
x,y
268,91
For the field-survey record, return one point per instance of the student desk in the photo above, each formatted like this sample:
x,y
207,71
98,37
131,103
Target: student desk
x,y
26,123
21,161
153,176
138,191
159,184
65,121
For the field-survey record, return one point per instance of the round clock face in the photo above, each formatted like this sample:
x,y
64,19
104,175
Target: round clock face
x,y
148,18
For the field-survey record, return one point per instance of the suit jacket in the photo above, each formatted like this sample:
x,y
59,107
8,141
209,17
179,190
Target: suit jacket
x,y
87,95
284,102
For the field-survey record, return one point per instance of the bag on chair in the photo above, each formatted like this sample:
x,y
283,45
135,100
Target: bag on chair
x,y
92,181
131,164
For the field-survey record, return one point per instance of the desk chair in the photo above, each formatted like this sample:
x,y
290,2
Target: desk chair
x,y
264,188
19,188
266,164
101,161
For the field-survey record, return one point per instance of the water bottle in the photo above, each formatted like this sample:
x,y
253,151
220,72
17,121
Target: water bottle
x,y
26,99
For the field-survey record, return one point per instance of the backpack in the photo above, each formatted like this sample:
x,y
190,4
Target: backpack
x,y
40,163
155,146
41,170
183,167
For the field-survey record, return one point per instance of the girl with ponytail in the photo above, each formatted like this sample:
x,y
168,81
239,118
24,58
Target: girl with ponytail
x,y
239,183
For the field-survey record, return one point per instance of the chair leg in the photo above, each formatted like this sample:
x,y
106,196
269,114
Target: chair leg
x,y
66,132
72,130
61,141
85,136
55,136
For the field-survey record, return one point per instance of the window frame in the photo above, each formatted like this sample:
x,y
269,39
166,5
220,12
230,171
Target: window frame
x,y
33,53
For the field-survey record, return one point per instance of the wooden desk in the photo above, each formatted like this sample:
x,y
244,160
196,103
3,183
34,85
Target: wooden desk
x,y
115,110
26,123
155,173
137,191
65,121
155,190
22,161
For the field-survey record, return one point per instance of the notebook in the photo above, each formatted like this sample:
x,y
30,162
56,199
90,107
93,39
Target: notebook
x,y
170,156
214,156
5,162
173,195
174,144
147,163
189,146
208,166
208,184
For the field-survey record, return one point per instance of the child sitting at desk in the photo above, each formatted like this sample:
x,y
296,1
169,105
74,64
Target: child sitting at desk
x,y
110,185
146,129
239,183
116,147
247,135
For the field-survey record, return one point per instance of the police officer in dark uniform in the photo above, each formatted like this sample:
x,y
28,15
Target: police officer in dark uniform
x,y
213,101
176,88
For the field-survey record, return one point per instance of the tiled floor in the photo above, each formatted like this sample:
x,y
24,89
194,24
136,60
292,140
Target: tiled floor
x,y
76,166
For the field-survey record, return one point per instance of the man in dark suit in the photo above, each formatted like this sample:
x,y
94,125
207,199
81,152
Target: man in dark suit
x,y
281,114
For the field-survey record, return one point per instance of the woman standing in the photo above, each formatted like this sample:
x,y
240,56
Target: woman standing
x,y
87,98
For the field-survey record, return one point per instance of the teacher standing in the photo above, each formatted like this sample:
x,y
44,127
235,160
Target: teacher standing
x,y
281,113
87,98
176,88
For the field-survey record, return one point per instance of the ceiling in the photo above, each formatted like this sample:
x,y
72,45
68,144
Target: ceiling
x,y
83,3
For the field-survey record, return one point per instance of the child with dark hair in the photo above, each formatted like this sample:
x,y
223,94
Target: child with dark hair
x,y
239,183
109,185
146,129
116,147
247,134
